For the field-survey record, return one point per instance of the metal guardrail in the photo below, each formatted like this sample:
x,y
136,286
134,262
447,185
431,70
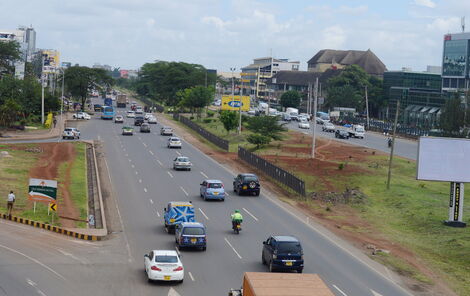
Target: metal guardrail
x,y
219,142
272,170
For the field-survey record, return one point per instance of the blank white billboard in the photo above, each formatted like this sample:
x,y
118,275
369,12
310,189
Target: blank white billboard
x,y
443,159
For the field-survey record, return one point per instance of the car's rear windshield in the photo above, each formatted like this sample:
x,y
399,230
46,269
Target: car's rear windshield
x,y
166,259
250,179
193,231
183,159
289,247
214,185
174,139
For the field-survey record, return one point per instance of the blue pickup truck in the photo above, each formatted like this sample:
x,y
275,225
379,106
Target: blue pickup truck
x,y
177,212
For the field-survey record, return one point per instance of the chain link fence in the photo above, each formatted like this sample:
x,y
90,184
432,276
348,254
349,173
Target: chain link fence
x,y
219,142
272,170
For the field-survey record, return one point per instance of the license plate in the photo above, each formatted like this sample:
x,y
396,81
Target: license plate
x,y
288,263
216,193
244,187
193,240
167,277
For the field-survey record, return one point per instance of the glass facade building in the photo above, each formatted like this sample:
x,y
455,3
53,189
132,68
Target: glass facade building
x,y
456,62
420,96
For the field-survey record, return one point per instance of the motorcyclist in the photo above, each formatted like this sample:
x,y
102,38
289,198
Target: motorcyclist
x,y
237,218
389,142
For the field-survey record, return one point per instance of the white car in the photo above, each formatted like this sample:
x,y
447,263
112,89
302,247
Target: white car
x,y
139,110
71,133
182,163
147,116
163,265
174,142
328,127
130,114
81,115
304,124
152,119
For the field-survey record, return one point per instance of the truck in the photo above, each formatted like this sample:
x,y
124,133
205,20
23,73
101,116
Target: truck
x,y
270,284
293,113
356,131
121,101
177,212
108,102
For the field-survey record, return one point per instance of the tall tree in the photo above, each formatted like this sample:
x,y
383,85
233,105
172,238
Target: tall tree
x,y
452,117
9,54
80,81
290,98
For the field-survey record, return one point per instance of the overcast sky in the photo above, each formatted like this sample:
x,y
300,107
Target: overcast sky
x,y
224,34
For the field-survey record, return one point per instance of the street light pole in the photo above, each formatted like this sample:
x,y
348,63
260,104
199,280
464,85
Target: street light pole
x,y
240,108
42,91
314,118
367,107
389,175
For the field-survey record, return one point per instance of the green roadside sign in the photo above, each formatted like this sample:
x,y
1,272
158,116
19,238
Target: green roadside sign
x,y
42,190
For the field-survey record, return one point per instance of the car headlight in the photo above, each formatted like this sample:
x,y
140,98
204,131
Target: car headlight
x,y
274,256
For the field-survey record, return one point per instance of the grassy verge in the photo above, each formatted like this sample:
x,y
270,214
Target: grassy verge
x,y
78,181
14,175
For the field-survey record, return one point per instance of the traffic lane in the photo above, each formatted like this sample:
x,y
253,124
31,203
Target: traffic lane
x,y
403,147
160,187
221,214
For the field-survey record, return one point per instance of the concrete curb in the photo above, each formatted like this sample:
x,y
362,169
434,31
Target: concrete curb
x,y
57,229
98,182
53,132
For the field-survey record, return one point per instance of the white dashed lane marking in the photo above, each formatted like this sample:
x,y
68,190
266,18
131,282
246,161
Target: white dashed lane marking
x,y
204,214
205,176
170,174
253,216
230,245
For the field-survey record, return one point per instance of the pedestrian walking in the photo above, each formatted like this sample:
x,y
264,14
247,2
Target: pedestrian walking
x,y
55,121
10,202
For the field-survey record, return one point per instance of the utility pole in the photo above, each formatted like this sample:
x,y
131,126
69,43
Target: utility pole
x,y
240,107
315,97
367,107
393,145
62,97
42,91
308,99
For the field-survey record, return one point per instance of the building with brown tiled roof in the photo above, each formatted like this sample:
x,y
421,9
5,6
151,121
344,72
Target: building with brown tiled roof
x,y
339,59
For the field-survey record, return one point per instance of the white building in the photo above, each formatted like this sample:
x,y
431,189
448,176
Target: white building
x,y
26,38
254,77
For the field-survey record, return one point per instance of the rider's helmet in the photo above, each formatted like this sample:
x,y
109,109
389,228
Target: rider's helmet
x,y
237,211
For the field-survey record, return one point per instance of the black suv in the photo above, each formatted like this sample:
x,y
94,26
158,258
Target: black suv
x,y
138,120
246,183
283,253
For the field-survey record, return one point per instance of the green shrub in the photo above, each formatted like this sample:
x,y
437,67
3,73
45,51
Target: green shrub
x,y
258,140
341,166
207,120
210,113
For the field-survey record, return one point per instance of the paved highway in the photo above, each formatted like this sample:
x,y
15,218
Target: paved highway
x,y
403,147
144,183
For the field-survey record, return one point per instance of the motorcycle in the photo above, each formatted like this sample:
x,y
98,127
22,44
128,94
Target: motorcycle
x,y
236,226
389,142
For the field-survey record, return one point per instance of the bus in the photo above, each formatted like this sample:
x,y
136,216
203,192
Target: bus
x,y
108,112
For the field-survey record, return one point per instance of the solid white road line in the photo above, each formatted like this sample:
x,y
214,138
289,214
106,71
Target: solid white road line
x,y
205,176
151,152
145,189
226,240
204,214
170,174
339,290
151,201
253,216
184,191
191,276
34,260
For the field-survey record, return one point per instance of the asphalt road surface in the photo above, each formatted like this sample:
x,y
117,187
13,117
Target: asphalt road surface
x,y
143,183
403,147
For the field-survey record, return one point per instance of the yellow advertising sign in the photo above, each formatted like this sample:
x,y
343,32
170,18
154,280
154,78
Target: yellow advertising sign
x,y
232,103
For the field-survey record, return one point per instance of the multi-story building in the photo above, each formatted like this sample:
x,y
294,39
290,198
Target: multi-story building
x,y
420,96
256,75
339,59
26,38
456,62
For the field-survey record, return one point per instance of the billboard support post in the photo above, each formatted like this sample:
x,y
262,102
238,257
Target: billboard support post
x,y
456,205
